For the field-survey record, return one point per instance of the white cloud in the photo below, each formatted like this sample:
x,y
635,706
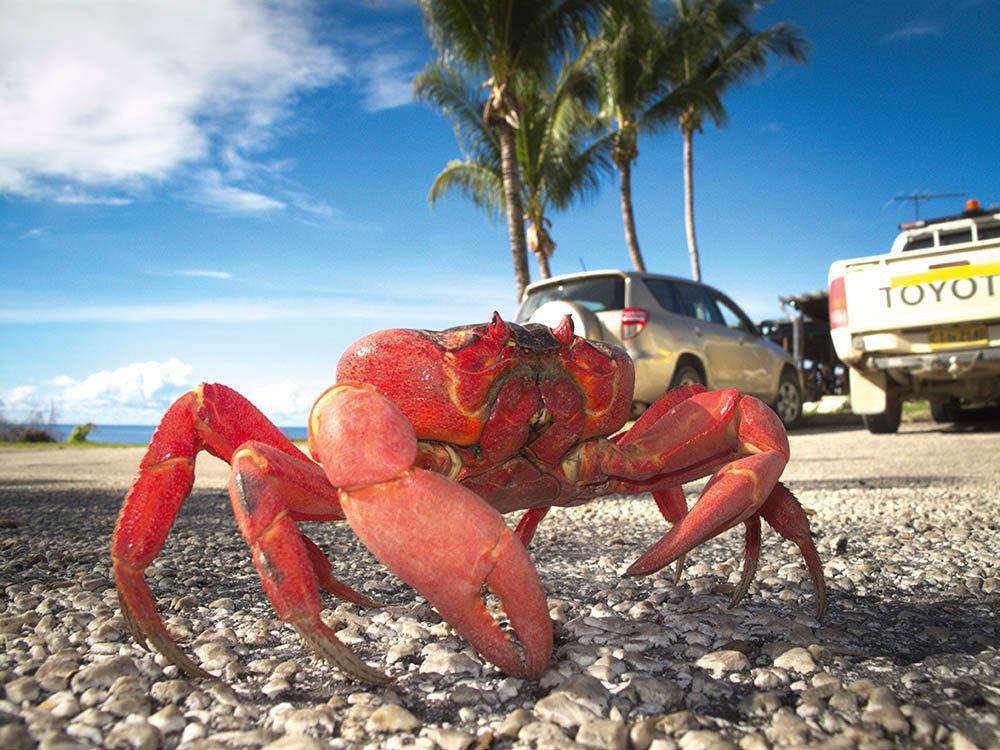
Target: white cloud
x,y
139,384
136,393
913,30
140,393
285,402
20,397
205,274
114,95
75,197
387,81
214,193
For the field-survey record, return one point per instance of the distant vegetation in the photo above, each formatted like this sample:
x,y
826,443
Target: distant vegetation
x,y
35,428
79,433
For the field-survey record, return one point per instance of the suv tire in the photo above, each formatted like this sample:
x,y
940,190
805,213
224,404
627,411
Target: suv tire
x,y
686,375
788,403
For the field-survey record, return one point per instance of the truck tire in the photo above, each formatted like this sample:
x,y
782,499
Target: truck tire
x,y
944,412
888,421
788,403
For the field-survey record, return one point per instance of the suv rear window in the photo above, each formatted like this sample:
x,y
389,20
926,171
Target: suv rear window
x,y
697,302
596,293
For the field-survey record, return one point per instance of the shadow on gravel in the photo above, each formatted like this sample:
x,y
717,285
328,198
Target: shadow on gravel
x,y
864,483
811,427
907,632
12,485
975,420
986,419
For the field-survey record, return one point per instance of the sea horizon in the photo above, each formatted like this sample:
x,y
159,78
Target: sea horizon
x,y
136,434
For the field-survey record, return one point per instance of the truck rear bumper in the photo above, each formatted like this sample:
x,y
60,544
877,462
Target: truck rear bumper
x,y
941,365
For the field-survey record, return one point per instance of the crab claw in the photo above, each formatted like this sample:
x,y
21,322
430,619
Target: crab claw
x,y
437,536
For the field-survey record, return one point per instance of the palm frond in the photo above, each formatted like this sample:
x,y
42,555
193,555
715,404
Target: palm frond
x,y
481,184
446,89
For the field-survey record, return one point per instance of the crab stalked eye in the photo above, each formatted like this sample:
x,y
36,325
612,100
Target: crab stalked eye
x,y
564,330
498,328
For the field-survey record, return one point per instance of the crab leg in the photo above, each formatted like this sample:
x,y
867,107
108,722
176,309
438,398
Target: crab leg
x,y
262,486
784,514
216,419
734,494
735,436
751,554
669,500
528,524
436,535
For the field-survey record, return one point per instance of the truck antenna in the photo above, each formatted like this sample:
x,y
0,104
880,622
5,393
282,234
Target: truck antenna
x,y
917,197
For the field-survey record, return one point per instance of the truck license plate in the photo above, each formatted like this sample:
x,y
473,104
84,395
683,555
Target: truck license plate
x,y
952,335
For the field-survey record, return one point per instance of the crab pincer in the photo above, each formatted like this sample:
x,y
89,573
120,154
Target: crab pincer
x,y
437,536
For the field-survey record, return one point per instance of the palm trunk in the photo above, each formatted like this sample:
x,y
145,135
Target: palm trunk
x,y
689,203
515,209
628,217
543,266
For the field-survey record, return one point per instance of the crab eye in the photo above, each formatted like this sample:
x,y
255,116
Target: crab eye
x,y
498,328
564,330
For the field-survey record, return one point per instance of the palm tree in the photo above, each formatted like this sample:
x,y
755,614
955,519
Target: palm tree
x,y
714,49
497,40
559,160
629,62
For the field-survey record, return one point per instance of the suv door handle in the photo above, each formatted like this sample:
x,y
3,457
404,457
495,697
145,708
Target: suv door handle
x,y
697,331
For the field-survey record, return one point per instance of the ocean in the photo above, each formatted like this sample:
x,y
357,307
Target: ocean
x,y
138,434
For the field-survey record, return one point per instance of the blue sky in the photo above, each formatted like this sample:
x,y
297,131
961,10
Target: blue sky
x,y
234,191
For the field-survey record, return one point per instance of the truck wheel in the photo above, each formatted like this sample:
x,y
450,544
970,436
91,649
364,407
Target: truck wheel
x,y
944,412
888,421
788,403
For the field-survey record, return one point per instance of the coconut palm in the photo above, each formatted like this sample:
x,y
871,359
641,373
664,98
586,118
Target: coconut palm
x,y
715,49
629,58
559,160
496,41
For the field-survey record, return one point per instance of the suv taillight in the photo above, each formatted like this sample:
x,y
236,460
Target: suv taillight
x,y
838,303
633,321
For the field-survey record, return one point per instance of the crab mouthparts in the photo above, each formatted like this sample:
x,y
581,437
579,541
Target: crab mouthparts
x,y
540,418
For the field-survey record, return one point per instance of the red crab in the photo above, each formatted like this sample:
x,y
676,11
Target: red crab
x,y
427,438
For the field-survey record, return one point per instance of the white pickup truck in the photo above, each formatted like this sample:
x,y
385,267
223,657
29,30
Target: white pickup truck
x,y
923,321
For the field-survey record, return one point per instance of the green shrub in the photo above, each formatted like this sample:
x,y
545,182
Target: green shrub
x,y
79,433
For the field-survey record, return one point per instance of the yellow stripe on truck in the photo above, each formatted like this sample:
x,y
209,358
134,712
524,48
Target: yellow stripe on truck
x,y
945,274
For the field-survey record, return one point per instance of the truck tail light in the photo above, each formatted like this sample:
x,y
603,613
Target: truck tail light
x,y
838,303
633,321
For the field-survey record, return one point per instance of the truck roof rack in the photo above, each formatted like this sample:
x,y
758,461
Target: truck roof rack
x,y
972,210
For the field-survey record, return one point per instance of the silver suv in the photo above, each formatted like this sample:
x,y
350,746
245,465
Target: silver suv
x,y
676,331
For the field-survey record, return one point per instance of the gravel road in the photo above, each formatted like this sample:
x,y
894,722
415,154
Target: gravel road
x,y
907,526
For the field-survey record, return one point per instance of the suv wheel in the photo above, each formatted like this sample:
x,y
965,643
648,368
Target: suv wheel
x,y
686,375
788,403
